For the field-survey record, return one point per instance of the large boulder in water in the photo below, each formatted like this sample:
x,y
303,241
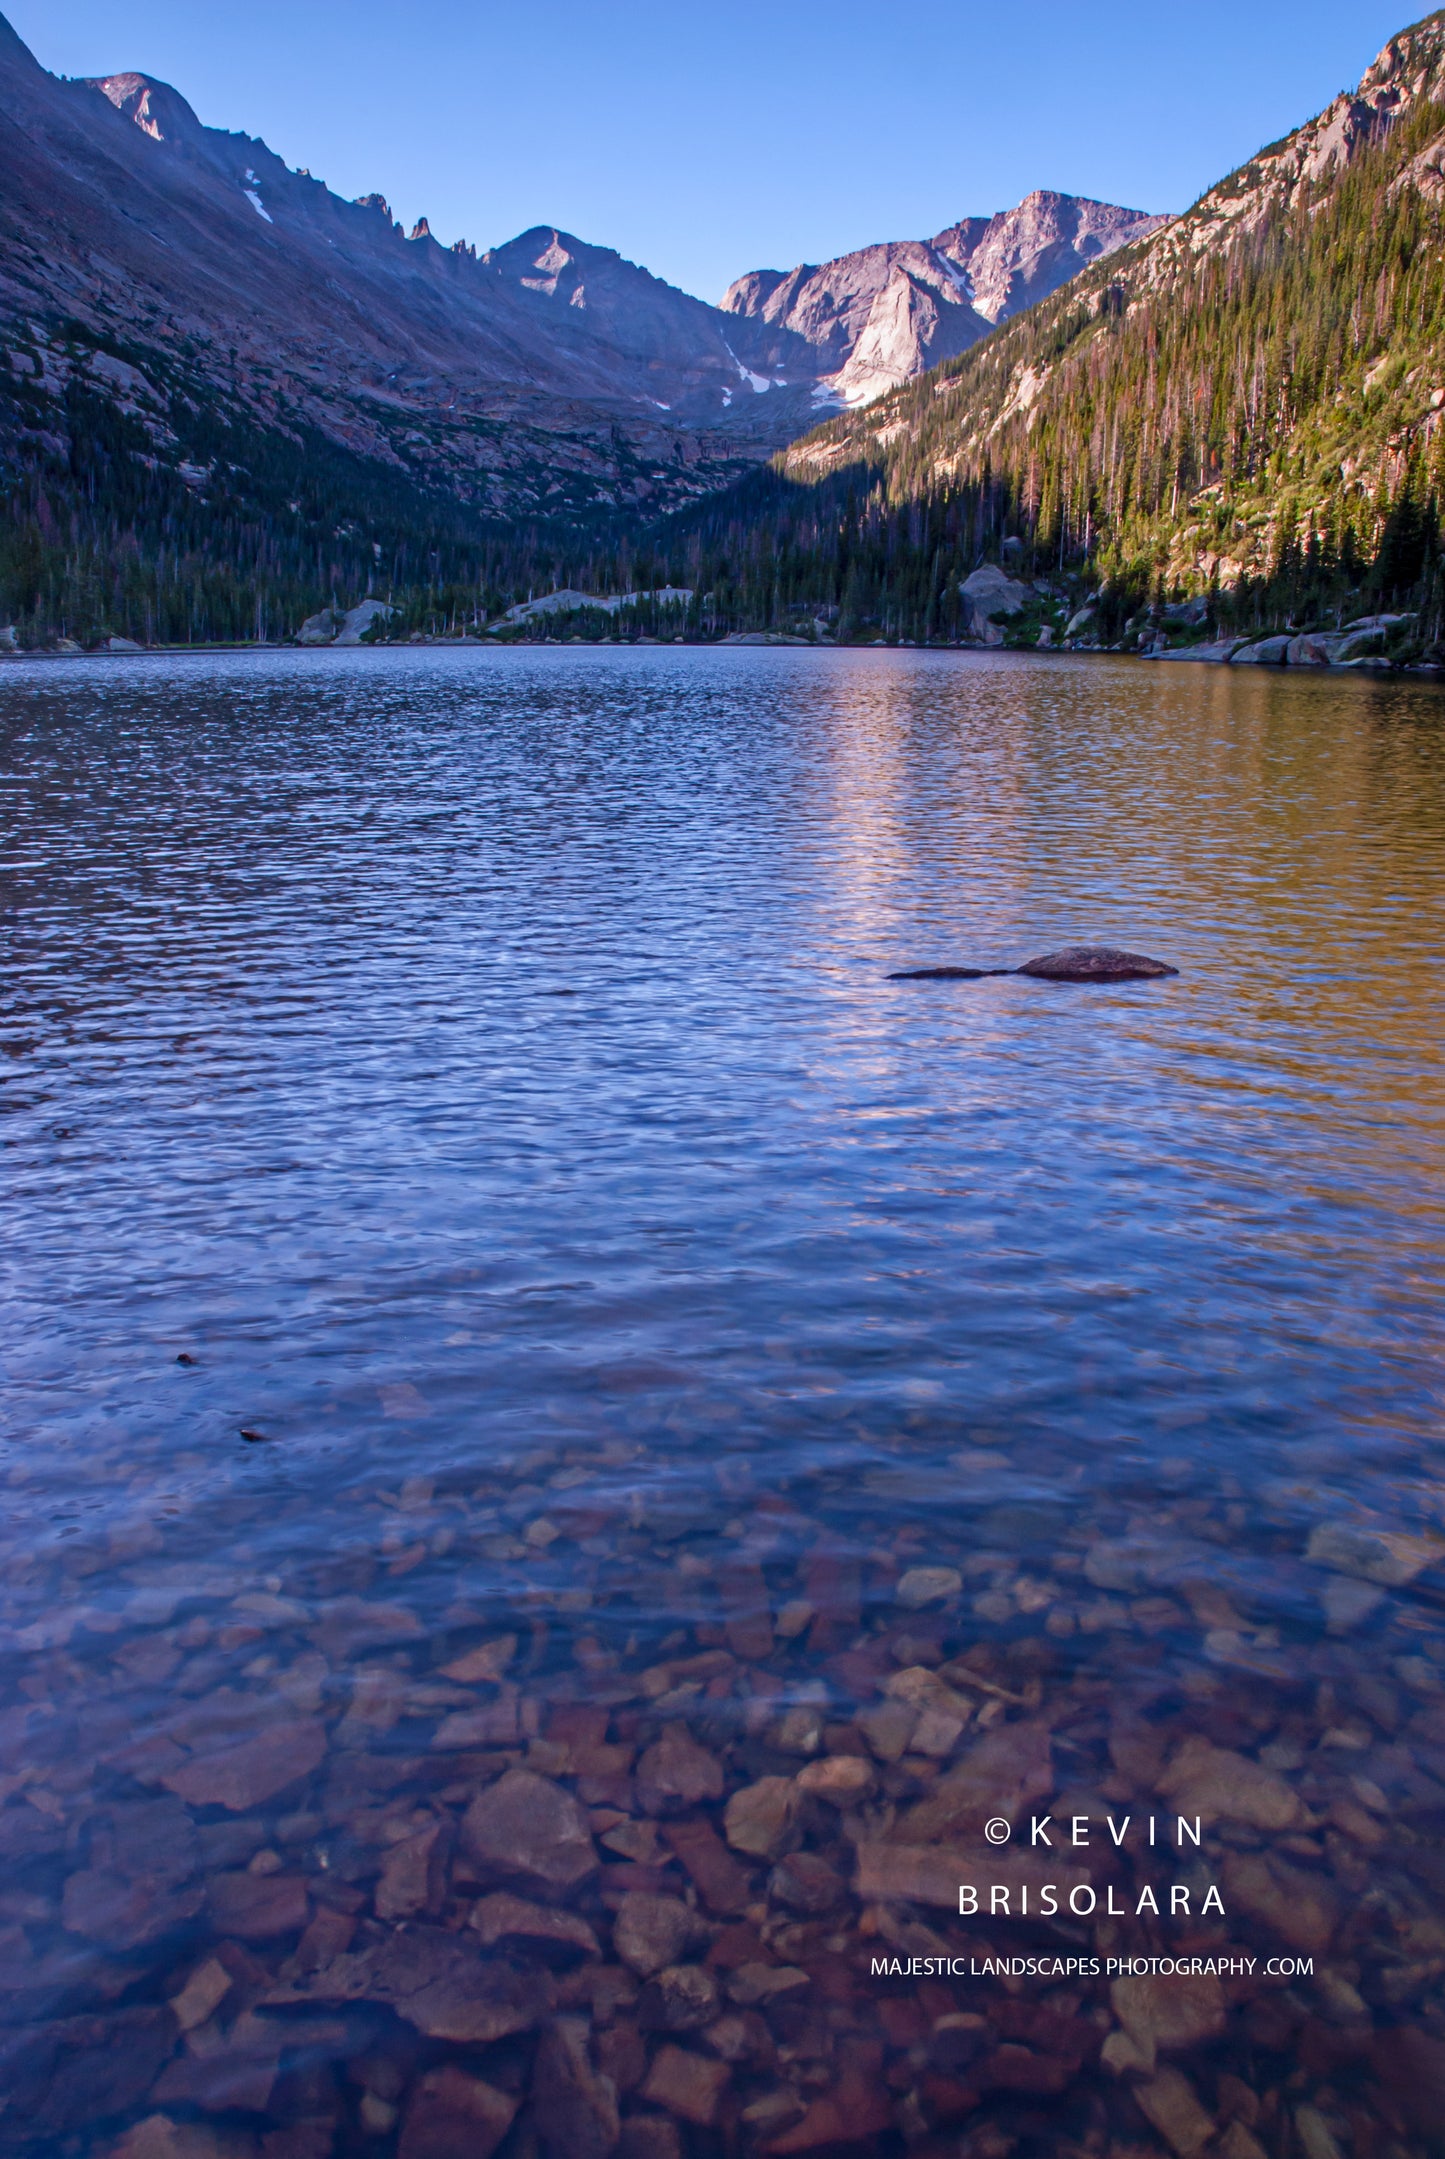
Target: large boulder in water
x,y
1095,963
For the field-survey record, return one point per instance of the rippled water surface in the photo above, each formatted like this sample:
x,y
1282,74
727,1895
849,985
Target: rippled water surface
x,y
503,1295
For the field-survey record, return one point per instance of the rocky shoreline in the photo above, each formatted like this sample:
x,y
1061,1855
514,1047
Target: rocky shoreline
x,y
1001,613
1358,645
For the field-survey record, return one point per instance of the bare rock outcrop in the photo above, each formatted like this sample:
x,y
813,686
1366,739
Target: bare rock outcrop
x,y
989,591
883,314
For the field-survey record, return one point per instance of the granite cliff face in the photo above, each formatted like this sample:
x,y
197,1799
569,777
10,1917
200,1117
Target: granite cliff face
x,y
1022,255
883,314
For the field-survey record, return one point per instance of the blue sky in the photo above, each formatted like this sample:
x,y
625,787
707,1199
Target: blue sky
x,y
704,141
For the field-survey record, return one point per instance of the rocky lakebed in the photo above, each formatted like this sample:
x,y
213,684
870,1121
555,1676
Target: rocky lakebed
x,y
551,1818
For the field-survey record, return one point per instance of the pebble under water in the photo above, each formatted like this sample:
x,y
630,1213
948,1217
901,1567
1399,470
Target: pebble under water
x,y
569,1444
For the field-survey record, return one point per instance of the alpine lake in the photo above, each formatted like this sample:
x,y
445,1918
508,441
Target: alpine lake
x,y
582,1470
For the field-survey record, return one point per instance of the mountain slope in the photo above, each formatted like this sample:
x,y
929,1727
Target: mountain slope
x,y
1259,381
123,218
715,372
884,314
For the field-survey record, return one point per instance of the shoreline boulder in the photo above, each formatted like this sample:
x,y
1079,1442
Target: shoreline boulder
x,y
989,591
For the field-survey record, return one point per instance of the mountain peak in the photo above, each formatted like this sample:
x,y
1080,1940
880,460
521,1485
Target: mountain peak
x,y
885,313
157,109
14,48
547,251
1414,58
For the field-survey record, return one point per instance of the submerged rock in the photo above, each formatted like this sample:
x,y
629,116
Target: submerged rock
x,y
686,2085
524,1827
651,1931
759,1818
435,1980
1171,2013
122,1912
413,1874
1391,1558
921,1586
948,974
555,1935
679,1998
677,1773
576,2107
646,1882
253,1770
450,2112
1172,2105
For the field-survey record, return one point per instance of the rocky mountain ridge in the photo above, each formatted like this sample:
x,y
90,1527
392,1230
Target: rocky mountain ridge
x,y
545,377
219,276
883,314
